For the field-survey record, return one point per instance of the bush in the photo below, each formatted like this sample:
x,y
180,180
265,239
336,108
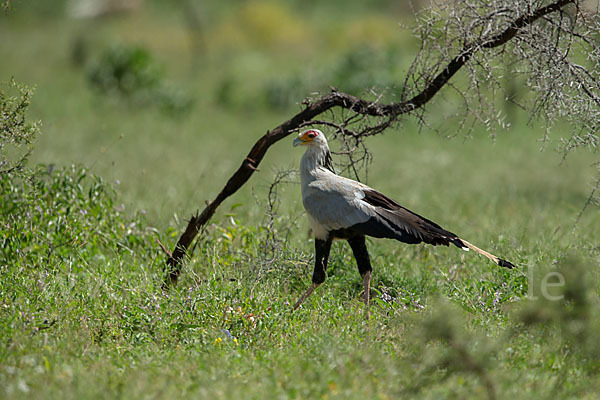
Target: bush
x,y
54,217
126,70
16,133
130,72
48,214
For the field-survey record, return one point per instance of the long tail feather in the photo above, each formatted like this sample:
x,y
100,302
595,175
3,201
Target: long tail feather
x,y
497,260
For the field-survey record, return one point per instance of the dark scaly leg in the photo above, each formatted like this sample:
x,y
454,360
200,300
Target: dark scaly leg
x,y
322,248
361,254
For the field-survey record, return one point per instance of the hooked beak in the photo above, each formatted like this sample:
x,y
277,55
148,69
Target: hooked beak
x,y
298,142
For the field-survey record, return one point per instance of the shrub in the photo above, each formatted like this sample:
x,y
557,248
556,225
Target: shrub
x,y
16,133
130,72
125,69
54,217
46,213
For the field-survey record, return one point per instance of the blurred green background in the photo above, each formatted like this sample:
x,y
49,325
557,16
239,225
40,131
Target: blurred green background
x,y
165,98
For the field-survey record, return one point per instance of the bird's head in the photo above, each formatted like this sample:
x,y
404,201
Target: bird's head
x,y
310,137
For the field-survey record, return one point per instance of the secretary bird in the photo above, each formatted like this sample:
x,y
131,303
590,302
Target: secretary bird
x,y
340,208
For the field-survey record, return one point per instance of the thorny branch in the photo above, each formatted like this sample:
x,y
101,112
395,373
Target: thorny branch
x,y
590,199
474,28
273,244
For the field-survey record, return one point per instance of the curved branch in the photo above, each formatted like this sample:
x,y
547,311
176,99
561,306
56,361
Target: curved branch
x,y
349,102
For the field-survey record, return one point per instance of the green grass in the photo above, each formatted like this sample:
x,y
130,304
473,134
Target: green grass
x,y
82,311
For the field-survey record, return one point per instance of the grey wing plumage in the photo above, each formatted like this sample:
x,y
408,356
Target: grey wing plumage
x,y
344,204
335,204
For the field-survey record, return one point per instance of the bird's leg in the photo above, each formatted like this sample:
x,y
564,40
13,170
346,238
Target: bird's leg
x,y
305,296
367,286
322,248
361,254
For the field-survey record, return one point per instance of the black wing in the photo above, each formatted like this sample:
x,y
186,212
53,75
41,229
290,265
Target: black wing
x,y
396,222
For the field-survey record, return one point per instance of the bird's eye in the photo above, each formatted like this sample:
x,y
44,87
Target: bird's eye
x,y
311,135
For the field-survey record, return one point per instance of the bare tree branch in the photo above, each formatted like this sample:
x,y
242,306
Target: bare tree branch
x,y
388,113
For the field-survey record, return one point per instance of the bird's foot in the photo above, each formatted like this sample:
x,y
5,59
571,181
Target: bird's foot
x,y
305,296
367,288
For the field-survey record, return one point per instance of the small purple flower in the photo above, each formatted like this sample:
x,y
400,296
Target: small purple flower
x,y
225,331
496,299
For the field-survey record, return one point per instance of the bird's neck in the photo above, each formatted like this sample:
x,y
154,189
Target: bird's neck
x,y
314,161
